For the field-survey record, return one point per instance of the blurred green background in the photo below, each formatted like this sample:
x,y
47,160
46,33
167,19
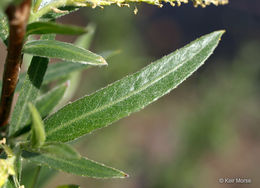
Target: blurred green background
x,y
208,128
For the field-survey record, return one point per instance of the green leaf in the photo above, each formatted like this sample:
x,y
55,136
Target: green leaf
x,y
62,157
64,51
68,186
4,30
28,93
53,28
47,102
130,94
38,134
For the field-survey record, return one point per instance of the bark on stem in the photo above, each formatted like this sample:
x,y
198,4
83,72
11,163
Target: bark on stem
x,y
17,17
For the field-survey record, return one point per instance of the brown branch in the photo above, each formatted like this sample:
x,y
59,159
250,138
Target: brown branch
x,y
17,17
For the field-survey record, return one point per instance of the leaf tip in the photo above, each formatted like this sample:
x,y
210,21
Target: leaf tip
x,y
103,61
220,32
126,175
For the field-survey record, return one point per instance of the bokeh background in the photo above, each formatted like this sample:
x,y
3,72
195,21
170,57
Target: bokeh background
x,y
208,128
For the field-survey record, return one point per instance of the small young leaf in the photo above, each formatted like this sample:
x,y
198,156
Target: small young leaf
x,y
38,133
47,102
64,51
53,28
62,157
131,93
29,93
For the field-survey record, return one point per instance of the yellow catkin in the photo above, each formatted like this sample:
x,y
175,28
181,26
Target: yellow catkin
x,y
159,3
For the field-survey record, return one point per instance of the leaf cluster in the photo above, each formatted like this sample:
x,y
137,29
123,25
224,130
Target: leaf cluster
x,y
40,134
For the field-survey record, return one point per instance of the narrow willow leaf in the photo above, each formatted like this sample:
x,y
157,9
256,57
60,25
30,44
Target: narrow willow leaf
x,y
47,102
3,27
56,157
68,186
53,28
130,94
64,51
38,134
29,93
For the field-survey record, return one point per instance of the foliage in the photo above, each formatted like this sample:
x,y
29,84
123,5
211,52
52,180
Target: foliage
x,y
36,135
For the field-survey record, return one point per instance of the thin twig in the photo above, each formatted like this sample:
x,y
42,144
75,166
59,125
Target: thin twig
x,y
17,17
